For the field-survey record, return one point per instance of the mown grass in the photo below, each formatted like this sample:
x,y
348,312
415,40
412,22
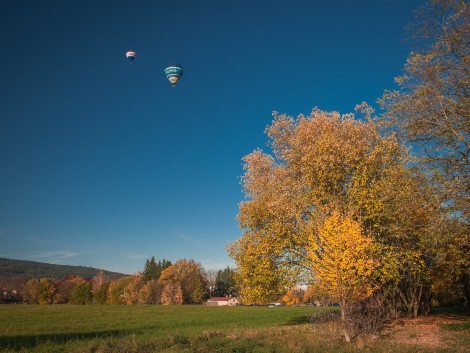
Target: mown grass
x,y
68,326
185,329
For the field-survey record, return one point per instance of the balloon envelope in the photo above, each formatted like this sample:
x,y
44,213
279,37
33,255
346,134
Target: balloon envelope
x,y
174,73
130,54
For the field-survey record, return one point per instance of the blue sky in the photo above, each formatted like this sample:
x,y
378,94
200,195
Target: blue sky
x,y
104,164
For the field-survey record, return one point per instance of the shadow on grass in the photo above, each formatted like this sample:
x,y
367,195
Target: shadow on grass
x,y
19,342
299,320
316,318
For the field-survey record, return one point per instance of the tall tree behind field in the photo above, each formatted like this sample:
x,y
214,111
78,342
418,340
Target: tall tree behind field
x,y
432,105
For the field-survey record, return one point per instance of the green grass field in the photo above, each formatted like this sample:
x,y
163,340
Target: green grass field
x,y
68,327
149,329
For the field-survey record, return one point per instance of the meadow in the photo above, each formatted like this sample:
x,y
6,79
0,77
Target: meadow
x,y
152,328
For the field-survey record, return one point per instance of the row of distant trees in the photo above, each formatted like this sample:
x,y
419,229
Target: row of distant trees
x,y
162,282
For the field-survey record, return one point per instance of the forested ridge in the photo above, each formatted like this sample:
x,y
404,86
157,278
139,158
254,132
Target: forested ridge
x,y
32,269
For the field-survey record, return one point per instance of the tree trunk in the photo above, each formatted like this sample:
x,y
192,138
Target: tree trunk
x,y
346,333
425,306
466,287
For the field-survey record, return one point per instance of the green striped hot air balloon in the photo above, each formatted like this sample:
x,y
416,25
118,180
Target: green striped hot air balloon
x,y
174,73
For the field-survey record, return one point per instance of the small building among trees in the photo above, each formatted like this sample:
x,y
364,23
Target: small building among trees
x,y
222,301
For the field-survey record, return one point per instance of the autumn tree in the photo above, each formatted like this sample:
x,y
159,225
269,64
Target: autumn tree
x,y
172,294
39,291
431,110
292,296
150,293
314,294
322,165
258,277
98,280
64,288
345,264
116,290
432,105
190,276
30,293
132,289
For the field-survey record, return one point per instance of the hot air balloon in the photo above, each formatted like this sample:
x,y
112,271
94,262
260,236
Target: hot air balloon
x,y
174,73
130,54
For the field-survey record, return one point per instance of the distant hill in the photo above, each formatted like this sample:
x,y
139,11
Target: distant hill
x,y
31,269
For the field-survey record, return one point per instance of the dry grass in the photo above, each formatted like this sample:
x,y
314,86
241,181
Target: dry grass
x,y
427,332
424,334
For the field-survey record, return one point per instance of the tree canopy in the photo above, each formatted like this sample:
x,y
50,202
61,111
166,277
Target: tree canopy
x,y
332,183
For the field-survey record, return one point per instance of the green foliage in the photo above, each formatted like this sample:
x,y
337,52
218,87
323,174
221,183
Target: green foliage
x,y
162,265
101,294
199,290
153,270
225,282
150,270
82,294
116,291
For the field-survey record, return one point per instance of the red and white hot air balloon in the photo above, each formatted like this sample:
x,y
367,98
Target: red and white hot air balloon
x,y
130,54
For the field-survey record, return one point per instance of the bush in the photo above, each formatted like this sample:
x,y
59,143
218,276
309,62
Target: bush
x,y
81,294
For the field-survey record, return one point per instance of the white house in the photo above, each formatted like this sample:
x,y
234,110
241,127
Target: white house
x,y
222,301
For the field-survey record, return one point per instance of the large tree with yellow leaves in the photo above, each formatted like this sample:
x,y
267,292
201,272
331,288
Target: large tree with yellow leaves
x,y
334,175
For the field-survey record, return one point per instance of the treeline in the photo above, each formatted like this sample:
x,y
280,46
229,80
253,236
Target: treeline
x,y
32,269
182,282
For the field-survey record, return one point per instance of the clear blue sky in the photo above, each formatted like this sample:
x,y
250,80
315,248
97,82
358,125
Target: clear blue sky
x,y
104,164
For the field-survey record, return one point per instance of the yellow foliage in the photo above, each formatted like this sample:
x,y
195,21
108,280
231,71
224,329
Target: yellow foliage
x,y
292,297
325,166
343,259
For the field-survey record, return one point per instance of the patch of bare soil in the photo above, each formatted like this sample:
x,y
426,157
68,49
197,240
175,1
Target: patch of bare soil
x,y
424,331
